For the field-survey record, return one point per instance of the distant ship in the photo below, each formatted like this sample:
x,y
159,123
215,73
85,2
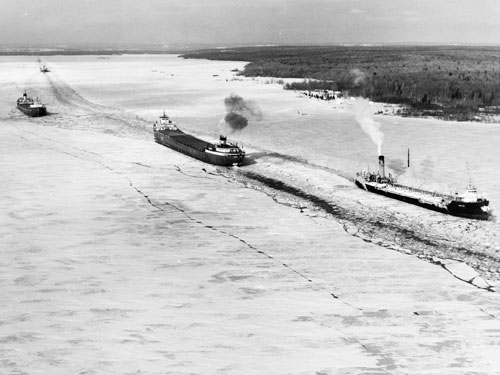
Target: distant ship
x,y
31,107
223,153
44,69
468,204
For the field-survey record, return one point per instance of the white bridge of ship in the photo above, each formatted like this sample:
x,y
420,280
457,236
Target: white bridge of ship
x,y
224,151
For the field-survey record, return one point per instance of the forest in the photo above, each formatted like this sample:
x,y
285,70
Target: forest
x,y
452,82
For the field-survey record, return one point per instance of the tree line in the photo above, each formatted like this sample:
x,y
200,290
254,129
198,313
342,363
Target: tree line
x,y
454,82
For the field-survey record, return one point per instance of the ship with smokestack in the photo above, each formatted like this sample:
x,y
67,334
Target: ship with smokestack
x,y
223,153
468,204
31,107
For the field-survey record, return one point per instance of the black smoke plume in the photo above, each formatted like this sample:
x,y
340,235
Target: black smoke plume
x,y
239,112
236,121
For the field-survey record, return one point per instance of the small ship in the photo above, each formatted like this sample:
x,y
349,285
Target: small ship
x,y
44,69
223,153
468,204
31,107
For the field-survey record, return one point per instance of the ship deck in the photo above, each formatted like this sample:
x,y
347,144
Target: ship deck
x,y
187,140
422,195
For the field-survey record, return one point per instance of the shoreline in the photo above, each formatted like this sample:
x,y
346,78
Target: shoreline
x,y
401,110
380,108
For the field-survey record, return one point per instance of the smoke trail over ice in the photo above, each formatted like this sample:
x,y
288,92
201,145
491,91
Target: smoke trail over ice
x,y
364,117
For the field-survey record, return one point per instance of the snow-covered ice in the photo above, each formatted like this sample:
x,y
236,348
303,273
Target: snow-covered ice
x,y
120,256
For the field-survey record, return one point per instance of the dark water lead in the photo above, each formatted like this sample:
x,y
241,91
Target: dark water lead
x,y
275,184
396,234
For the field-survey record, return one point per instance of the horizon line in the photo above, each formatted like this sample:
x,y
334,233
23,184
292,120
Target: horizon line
x,y
138,48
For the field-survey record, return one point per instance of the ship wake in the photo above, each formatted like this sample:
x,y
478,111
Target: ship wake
x,y
70,110
319,192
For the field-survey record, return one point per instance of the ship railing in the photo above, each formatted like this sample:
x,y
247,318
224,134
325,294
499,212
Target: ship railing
x,y
422,191
227,150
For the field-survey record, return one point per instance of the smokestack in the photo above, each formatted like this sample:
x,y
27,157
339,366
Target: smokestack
x,y
222,139
381,166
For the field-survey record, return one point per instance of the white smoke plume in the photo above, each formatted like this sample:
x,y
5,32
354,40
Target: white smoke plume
x,y
358,77
364,117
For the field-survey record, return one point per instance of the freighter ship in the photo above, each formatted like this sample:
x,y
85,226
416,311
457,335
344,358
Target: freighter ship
x,y
224,153
31,107
468,204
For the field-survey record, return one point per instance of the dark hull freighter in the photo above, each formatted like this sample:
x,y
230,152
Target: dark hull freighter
x,y
468,204
224,153
30,107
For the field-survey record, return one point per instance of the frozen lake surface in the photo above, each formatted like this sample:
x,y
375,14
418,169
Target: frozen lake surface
x,y
121,256
307,143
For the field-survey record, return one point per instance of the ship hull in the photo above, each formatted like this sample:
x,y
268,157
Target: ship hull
x,y
196,148
471,210
33,112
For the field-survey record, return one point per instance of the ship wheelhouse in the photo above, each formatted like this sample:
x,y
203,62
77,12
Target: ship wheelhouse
x,y
164,123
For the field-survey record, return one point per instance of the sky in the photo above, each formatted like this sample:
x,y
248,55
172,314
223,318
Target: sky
x,y
226,22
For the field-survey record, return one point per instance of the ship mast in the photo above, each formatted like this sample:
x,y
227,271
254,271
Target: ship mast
x,y
470,186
